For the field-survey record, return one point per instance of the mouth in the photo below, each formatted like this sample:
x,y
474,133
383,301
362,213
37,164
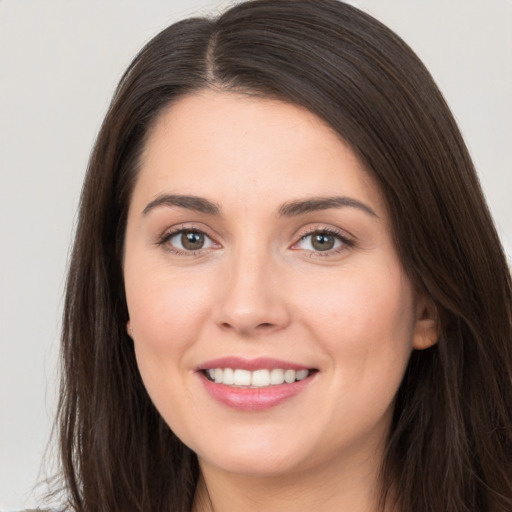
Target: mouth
x,y
256,384
260,378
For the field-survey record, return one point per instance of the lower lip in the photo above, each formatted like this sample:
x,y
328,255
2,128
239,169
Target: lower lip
x,y
254,399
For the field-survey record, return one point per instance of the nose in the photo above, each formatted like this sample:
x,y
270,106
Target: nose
x,y
252,298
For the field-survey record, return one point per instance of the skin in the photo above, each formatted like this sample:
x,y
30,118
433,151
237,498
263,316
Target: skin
x,y
259,288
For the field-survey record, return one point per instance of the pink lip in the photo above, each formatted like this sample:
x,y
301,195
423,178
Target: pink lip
x,y
259,363
252,399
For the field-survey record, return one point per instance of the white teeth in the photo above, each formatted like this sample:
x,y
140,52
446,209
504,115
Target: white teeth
x,y
260,378
289,376
301,374
257,378
276,376
228,377
242,377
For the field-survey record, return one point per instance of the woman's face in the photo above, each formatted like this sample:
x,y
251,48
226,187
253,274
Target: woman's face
x,y
271,317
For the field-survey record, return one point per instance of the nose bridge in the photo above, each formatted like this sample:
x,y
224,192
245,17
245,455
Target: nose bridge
x,y
251,299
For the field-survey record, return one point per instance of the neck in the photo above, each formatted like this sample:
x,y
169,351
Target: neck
x,y
353,487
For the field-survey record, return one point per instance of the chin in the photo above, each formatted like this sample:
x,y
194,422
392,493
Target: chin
x,y
262,457
260,466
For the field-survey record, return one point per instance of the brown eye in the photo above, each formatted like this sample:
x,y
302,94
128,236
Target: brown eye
x,y
192,240
189,240
322,241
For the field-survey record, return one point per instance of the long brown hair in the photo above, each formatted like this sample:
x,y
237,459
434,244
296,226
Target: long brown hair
x,y
450,446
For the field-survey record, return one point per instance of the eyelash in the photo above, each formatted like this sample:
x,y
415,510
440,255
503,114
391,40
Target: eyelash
x,y
346,243
164,239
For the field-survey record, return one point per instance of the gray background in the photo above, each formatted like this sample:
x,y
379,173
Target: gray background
x,y
59,63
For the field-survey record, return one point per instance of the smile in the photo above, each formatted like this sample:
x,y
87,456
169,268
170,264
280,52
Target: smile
x,y
254,385
260,378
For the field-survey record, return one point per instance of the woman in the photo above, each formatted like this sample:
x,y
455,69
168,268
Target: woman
x,y
286,289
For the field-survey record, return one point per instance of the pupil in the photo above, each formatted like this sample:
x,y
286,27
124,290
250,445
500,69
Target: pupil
x,y
192,240
323,242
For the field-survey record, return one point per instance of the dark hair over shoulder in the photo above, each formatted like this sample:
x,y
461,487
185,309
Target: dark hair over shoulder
x,y
450,447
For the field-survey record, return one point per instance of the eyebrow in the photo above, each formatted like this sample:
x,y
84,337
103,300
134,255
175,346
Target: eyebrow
x,y
289,209
198,204
313,204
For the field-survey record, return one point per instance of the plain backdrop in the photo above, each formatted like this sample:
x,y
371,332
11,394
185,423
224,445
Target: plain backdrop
x,y
59,63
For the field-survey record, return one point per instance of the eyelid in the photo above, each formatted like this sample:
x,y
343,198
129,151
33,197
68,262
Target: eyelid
x,y
347,240
169,233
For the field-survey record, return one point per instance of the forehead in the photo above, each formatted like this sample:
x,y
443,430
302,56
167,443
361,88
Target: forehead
x,y
237,147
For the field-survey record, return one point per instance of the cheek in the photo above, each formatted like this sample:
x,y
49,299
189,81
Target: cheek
x,y
362,299
365,323
165,310
166,314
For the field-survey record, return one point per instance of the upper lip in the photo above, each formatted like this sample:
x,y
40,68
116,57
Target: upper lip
x,y
259,363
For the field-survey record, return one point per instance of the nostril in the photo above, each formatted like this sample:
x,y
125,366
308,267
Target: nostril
x,y
264,326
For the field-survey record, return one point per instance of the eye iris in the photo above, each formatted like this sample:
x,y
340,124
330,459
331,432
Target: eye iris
x,y
192,240
322,241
